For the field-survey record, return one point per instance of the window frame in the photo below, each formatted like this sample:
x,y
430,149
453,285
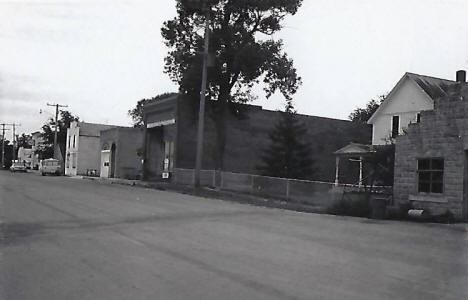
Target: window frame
x,y
392,132
430,171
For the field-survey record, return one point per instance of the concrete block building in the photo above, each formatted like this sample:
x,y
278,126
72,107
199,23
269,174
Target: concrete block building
x,y
121,153
431,156
170,138
83,155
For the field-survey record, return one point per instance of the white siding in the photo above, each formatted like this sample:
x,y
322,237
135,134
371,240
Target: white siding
x,y
405,102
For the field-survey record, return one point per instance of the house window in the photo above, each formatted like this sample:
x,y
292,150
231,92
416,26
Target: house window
x,y
431,175
69,140
73,141
395,126
418,117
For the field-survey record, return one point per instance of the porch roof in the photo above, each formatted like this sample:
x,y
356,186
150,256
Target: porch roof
x,y
355,149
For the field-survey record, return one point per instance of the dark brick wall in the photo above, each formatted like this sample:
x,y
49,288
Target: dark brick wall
x,y
442,133
247,136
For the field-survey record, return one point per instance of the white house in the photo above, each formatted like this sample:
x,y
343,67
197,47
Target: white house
x,y
412,94
83,152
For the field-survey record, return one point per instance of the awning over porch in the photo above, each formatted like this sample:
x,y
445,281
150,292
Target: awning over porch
x,y
353,150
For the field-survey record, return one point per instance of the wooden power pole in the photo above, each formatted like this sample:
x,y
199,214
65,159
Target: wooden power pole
x,y
3,142
57,106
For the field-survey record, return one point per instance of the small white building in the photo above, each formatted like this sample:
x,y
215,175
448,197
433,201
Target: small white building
x,y
83,152
26,156
412,94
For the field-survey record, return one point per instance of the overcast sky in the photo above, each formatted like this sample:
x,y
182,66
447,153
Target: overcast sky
x,y
101,56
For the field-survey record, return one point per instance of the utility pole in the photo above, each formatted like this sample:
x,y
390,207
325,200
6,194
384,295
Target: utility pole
x,y
56,125
201,113
3,143
14,136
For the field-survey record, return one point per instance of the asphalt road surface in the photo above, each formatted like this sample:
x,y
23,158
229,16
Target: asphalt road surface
x,y
66,238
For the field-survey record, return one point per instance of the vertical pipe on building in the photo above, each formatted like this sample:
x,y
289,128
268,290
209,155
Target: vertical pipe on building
x,y
360,171
145,141
337,170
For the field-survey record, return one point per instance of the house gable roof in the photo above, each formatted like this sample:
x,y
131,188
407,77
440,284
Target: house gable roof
x,y
432,87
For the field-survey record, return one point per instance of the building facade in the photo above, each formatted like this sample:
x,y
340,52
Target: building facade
x,y
412,94
26,156
83,155
36,145
121,153
171,130
431,157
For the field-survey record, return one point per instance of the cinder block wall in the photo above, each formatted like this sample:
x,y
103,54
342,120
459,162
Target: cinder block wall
x,y
442,133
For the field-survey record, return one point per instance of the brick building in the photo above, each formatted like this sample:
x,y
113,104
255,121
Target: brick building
x,y
431,157
170,139
121,150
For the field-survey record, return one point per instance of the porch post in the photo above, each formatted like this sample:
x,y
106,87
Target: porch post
x,y
337,170
360,171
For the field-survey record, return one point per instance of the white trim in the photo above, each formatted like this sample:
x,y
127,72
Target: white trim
x,y
160,123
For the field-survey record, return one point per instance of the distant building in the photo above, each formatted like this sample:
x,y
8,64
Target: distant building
x,y
26,156
121,153
411,95
36,145
83,155
431,158
171,126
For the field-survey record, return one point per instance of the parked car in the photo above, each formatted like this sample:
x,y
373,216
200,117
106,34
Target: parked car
x,y
50,166
18,167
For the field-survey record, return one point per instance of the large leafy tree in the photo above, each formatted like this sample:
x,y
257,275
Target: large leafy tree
x,y
362,115
288,154
48,131
24,140
137,112
243,51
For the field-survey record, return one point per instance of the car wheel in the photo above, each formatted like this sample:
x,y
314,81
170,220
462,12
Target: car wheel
x,y
43,174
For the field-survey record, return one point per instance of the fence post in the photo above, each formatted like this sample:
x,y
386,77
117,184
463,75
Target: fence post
x,y
193,176
214,178
287,189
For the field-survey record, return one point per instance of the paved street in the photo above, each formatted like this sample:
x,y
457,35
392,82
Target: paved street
x,y
65,238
